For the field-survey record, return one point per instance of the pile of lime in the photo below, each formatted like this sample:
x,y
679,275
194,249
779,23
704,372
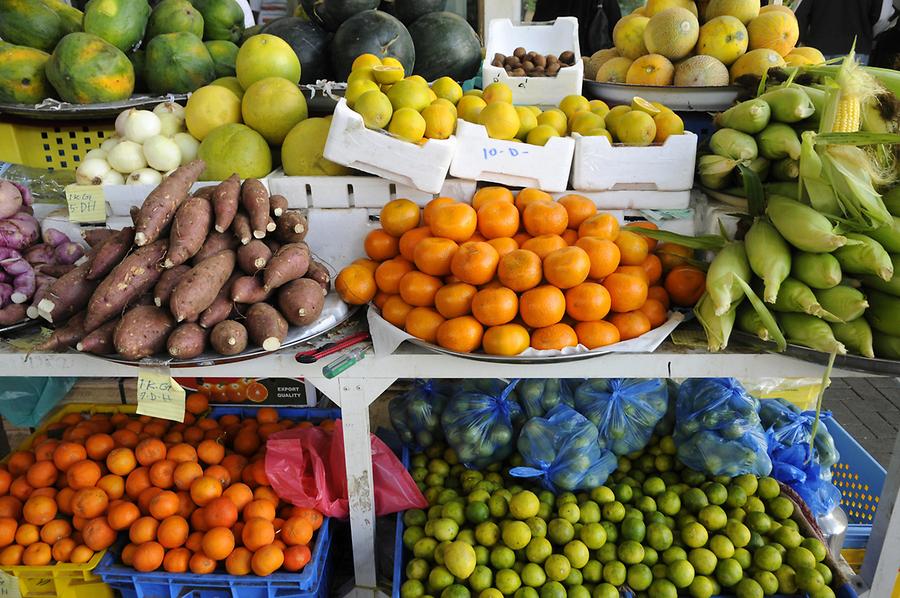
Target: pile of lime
x,y
656,527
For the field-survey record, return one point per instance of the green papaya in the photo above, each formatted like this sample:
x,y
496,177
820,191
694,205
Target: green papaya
x,y
138,59
120,22
22,77
72,17
222,19
85,69
177,63
30,23
223,54
172,16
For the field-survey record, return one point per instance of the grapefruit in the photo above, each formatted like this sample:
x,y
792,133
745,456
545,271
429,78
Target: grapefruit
x,y
301,152
272,106
211,107
235,148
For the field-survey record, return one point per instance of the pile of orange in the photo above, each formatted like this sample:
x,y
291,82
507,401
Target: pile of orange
x,y
510,272
231,390
189,496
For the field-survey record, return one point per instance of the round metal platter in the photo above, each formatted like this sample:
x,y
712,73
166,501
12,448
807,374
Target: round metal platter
x,y
511,360
4,330
690,99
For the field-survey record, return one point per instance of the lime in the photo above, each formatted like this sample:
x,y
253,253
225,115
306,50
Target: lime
x,y
787,536
646,505
502,557
703,560
602,495
411,535
823,592
756,541
592,571
721,546
607,552
662,588
577,553
694,535
767,558
447,495
456,591
439,552
781,549
575,578
570,512
533,575
639,577
445,529
716,493
825,572
605,590
669,503
479,496
633,529
545,511
482,555
816,547
681,573
702,587
728,572
748,588
553,589
590,512
477,512
490,593
498,506
787,580
800,557
525,592
653,486
557,567
439,578
577,591
743,557
767,581
487,533
412,588
712,517
424,548
633,512
694,500
758,522
659,536
748,482
754,505
447,88
673,553
767,488
560,532
630,552
537,551
624,493
809,579
663,463
467,536
454,510
737,496
417,569
414,517
612,531
614,572
516,534
789,523
524,505
686,518
507,581
593,535
459,559
613,511
655,517
659,570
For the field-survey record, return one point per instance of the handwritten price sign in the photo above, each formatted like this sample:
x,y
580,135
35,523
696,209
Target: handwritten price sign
x,y
493,152
9,586
158,395
86,203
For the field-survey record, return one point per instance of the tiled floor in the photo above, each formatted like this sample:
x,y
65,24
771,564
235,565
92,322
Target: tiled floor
x,y
869,409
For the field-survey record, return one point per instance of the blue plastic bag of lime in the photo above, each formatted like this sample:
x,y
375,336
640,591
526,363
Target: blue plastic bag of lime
x,y
562,450
789,425
416,414
538,396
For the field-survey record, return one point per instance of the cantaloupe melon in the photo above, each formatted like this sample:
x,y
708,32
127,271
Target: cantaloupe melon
x,y
672,33
724,38
614,70
755,62
776,30
744,10
598,59
701,71
654,7
775,7
628,36
804,55
652,69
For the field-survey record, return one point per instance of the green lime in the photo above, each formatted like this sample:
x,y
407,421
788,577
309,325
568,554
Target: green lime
x,y
498,506
624,493
800,557
721,547
456,511
663,463
713,517
738,533
673,553
680,573
577,591
787,536
613,511
633,528
669,503
662,588
787,580
467,536
639,577
593,535
545,511
659,536
612,531
651,556
790,523
748,482
490,593
780,507
414,517
809,579
553,589
502,558
411,535
446,494
537,526
825,572
816,547
737,496
630,552
781,549
605,590
417,569
523,505
516,534
693,500
525,592
560,531
607,552
702,587
602,495
592,571
694,535
737,514
575,578
754,505
823,592
646,505
749,588
729,572
570,512
477,512
703,560
590,512
439,552
424,548
487,533
615,573
482,555
756,541
767,558
767,581
633,512
565,498
507,581
759,522
456,591
557,567
412,588
445,529
577,552
533,575
659,570
478,496
767,488
743,557
716,493
656,517
653,486
459,558
537,551
439,578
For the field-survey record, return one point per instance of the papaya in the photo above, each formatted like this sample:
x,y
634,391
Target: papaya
x,y
223,54
30,23
120,22
172,16
177,63
85,69
22,77
72,18
138,59
222,19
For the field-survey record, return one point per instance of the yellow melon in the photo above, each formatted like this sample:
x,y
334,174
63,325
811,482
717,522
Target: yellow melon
x,y
775,7
654,7
614,70
804,55
640,10
724,38
755,62
628,36
776,30
672,33
744,10
652,69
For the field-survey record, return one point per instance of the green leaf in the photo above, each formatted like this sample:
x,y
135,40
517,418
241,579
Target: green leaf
x,y
709,242
765,316
856,139
826,382
753,188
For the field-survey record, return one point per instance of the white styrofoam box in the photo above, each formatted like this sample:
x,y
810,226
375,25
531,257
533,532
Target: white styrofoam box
x,y
120,198
336,235
58,218
636,200
713,216
601,166
420,165
358,191
481,158
504,36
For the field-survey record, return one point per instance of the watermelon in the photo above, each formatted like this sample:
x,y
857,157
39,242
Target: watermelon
x,y
177,63
330,14
30,23
410,10
223,54
120,22
446,46
172,16
222,19
309,42
22,77
85,69
374,32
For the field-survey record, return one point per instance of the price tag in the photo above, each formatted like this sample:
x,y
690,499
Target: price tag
x,y
87,203
158,395
9,586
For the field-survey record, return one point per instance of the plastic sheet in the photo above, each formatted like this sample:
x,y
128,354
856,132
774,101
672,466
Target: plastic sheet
x,y
625,410
26,401
416,414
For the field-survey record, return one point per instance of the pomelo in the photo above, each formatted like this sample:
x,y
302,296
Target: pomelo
x,y
211,107
301,152
235,148
272,106
266,55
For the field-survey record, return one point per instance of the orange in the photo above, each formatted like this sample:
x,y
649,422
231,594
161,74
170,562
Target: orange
x,y
238,562
162,473
356,284
545,218
20,488
380,246
570,236
503,245
498,219
267,560
126,438
395,311
41,509
42,474
489,194
257,533
296,557
520,237
544,244
165,504
149,451
196,403
418,289
98,535
122,514
37,554
398,216
432,206
493,307
423,323
529,195
433,255
673,254
314,517
218,543
626,292
44,451
143,530
567,267
587,301
204,489
11,555
476,236
144,498
8,527
27,534
380,298
296,530
659,293
173,531
113,485
389,273
5,480
81,554
637,271
62,550
555,337
85,474
259,508
55,530
211,452
579,208
148,556
366,263
604,226
653,267
87,503
633,247
685,285
65,455
461,334
410,239
455,299
630,324
508,339
603,254
655,312
455,221
651,243
185,473
475,263
542,306
200,564
177,560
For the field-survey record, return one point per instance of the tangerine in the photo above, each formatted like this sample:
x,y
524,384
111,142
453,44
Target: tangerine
x,y
454,221
542,306
122,514
672,255
655,311
148,556
218,543
503,245
42,474
162,473
177,560
380,246
433,255
39,510
633,247
544,245
455,299
630,324
149,451
529,195
507,339
475,263
579,209
257,532
487,195
545,218
98,535
204,489
164,504
520,270
433,206
587,301
267,560
653,267
497,219
395,310
423,323
89,503
685,285
410,239
296,557
626,292
399,216
200,564
645,224
461,334
567,267
173,531
603,226
389,273
418,289
604,256
555,337
296,530
493,307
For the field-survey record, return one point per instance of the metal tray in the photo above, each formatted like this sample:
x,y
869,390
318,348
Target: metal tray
x,y
690,99
511,360
24,324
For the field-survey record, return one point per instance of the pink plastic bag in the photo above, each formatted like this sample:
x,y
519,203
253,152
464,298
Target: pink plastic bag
x,y
306,467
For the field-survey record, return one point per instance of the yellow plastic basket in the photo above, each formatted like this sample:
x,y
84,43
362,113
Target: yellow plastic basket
x,y
854,558
57,145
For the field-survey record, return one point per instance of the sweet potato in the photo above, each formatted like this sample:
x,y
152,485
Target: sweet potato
x,y
266,326
93,236
278,204
42,253
110,252
67,296
187,341
205,192
167,281
133,277
300,301
134,212
198,288
65,336
10,199
54,237
159,208
228,338
142,332
100,341
253,256
215,243
291,227
289,263
270,225
43,283
54,270
221,306
248,289
225,200
189,231
13,313
320,274
241,227
68,253
255,201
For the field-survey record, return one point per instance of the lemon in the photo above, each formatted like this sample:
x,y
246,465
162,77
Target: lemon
x,y
474,92
497,92
211,107
407,124
230,83
451,106
417,79
535,109
500,119
572,104
357,88
587,121
365,61
644,106
527,122
469,107
612,119
459,558
387,75
556,118
448,89
541,134
409,93
599,107
375,108
365,74
440,121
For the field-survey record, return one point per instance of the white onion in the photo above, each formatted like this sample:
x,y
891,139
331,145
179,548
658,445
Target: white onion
x,y
162,153
95,153
113,178
108,145
169,108
127,157
91,171
170,124
120,121
141,126
144,176
187,145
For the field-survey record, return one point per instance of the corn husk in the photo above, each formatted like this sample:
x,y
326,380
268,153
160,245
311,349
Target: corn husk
x,y
884,312
849,172
817,97
865,257
888,236
759,165
721,284
733,144
749,117
789,104
810,331
786,169
816,270
891,200
715,171
749,321
796,297
886,346
845,302
769,256
892,286
856,335
778,141
802,226
814,186
789,190
717,327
